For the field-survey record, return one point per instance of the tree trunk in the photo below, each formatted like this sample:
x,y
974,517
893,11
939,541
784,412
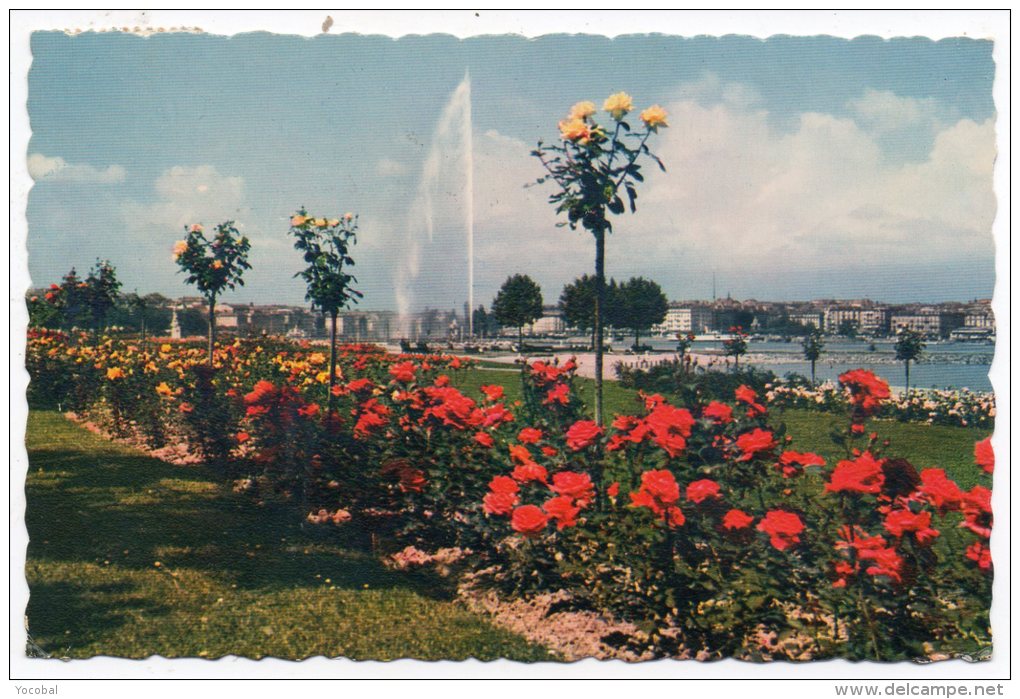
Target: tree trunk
x,y
143,329
332,358
907,365
600,298
812,371
212,327
637,340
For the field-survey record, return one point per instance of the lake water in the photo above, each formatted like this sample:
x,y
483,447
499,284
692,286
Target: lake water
x,y
944,365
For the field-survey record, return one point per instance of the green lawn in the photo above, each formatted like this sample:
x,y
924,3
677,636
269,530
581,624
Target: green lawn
x,y
232,577
951,448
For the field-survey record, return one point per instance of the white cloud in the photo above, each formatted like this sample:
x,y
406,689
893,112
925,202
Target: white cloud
x,y
186,195
882,111
743,196
56,169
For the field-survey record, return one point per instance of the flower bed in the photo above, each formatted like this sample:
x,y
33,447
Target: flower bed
x,y
700,524
961,408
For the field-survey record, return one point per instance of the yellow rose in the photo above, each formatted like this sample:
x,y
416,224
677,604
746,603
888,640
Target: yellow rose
x,y
217,264
582,110
164,390
298,220
322,377
333,222
115,373
654,117
575,130
179,248
165,347
618,105
320,222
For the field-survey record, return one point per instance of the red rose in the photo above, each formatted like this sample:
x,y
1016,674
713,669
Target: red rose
x,y
792,463
737,519
867,391
528,520
984,455
359,385
243,437
499,503
745,394
980,554
939,490
899,522
613,490
530,471
520,454
560,393
699,491
862,475
484,439
310,410
582,434
503,484
549,451
757,441
562,510
529,435
403,372
783,528
669,426
720,412
577,486
661,485
493,393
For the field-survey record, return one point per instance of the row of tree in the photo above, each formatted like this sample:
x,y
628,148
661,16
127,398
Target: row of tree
x,y
635,305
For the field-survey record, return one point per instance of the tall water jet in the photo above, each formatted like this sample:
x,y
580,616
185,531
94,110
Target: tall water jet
x,y
443,208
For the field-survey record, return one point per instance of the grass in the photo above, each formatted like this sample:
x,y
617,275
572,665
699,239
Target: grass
x,y
130,557
950,448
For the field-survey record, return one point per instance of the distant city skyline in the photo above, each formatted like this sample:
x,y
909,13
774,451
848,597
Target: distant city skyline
x,y
797,168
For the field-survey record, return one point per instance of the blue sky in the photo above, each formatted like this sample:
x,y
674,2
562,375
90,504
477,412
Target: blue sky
x,y
797,167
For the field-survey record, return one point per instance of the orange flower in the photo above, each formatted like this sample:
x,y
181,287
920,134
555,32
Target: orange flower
x,y
115,373
298,220
575,130
582,110
217,264
180,247
618,105
654,117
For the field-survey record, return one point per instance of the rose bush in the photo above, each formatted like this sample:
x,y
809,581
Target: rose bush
x,y
702,523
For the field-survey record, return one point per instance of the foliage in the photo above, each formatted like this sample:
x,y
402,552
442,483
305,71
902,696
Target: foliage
x,y
813,344
577,303
909,346
102,290
736,345
213,266
640,305
518,303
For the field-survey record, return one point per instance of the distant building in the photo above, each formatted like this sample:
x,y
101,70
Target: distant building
x,y
814,319
866,319
685,318
930,322
550,323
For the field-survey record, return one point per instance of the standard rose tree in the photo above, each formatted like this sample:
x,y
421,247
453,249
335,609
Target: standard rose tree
x,y
593,166
213,265
326,245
